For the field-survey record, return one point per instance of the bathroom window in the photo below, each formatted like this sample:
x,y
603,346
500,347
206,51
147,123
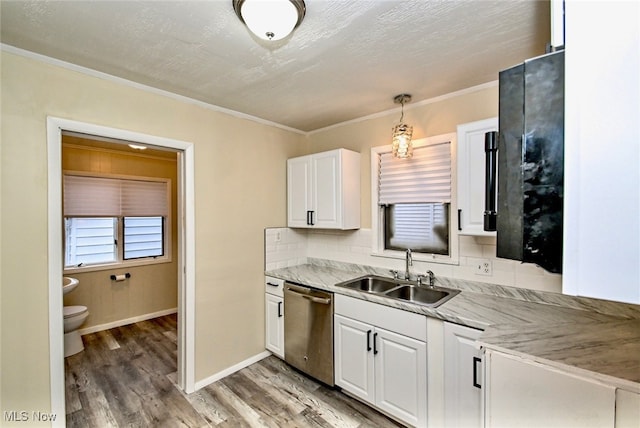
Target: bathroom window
x,y
143,237
90,241
109,220
412,201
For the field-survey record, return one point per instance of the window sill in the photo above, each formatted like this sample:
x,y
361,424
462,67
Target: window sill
x,y
416,257
112,266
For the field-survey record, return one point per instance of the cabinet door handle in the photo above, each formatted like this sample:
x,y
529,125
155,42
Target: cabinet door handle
x,y
272,284
459,219
369,341
375,347
309,218
312,221
279,309
476,360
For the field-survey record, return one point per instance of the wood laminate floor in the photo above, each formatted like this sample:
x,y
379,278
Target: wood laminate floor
x,y
125,378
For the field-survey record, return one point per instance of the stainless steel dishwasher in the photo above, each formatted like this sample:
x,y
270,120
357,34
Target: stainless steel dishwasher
x,y
308,331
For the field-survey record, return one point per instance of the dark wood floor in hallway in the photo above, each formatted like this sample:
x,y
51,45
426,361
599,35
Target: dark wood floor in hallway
x,y
125,378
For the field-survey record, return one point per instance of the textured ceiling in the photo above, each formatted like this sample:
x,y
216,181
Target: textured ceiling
x,y
348,59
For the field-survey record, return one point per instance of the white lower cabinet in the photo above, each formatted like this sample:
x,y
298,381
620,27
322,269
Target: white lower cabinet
x,y
462,377
353,358
274,316
627,409
275,324
522,393
383,367
401,376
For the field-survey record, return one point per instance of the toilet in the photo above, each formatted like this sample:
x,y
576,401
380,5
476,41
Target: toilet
x,y
74,317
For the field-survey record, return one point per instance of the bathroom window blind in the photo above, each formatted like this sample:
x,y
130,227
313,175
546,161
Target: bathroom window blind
x,y
86,196
111,220
426,177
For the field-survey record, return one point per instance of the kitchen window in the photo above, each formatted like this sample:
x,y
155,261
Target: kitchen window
x,y
423,227
412,201
115,220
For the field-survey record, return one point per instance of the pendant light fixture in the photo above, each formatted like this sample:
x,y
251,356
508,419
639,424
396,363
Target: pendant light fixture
x,y
270,19
401,146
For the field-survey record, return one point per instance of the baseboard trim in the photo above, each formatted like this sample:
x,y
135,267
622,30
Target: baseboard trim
x,y
228,371
126,321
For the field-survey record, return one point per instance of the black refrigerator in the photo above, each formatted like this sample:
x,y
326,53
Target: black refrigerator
x,y
531,162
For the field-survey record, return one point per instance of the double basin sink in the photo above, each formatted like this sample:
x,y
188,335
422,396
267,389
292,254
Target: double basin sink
x,y
406,291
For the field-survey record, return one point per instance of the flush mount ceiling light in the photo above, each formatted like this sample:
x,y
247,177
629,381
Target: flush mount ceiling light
x,y
270,19
401,144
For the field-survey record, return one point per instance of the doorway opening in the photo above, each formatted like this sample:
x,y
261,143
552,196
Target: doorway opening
x,y
183,254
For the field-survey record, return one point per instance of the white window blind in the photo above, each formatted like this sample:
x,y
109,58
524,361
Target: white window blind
x,y
422,227
112,197
426,177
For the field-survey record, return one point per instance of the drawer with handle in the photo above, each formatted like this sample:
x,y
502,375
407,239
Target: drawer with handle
x,y
274,286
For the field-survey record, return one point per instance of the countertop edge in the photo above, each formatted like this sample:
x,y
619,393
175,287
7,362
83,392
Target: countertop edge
x,y
612,381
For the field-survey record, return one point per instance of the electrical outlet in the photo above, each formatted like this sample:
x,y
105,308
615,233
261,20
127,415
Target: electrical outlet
x,y
484,267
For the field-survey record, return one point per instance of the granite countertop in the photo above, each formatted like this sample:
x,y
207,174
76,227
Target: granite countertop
x,y
599,339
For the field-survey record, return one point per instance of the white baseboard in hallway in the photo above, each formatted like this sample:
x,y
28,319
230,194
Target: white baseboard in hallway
x,y
126,321
230,370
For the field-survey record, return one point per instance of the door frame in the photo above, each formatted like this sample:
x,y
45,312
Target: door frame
x,y
186,249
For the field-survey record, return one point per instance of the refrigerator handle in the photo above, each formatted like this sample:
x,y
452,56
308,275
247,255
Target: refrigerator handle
x,y
490,182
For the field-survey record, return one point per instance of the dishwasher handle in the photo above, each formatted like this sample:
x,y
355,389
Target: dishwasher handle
x,y
314,299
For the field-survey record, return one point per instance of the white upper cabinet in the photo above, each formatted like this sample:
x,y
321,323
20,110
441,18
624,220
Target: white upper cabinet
x,y
471,176
557,23
298,191
323,190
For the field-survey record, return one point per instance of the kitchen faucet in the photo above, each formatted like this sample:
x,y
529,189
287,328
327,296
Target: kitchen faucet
x,y
408,262
431,279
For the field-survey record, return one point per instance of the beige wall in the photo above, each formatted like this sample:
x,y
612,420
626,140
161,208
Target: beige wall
x,y
151,288
240,188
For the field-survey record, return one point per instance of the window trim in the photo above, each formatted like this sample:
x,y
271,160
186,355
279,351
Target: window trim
x,y
121,262
377,225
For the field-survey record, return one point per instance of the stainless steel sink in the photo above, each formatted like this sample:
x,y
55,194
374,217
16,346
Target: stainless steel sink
x,y
430,296
400,290
371,284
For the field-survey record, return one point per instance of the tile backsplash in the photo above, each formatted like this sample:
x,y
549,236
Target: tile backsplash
x,y
286,247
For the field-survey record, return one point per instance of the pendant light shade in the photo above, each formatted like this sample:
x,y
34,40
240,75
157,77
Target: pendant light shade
x,y
401,146
270,19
